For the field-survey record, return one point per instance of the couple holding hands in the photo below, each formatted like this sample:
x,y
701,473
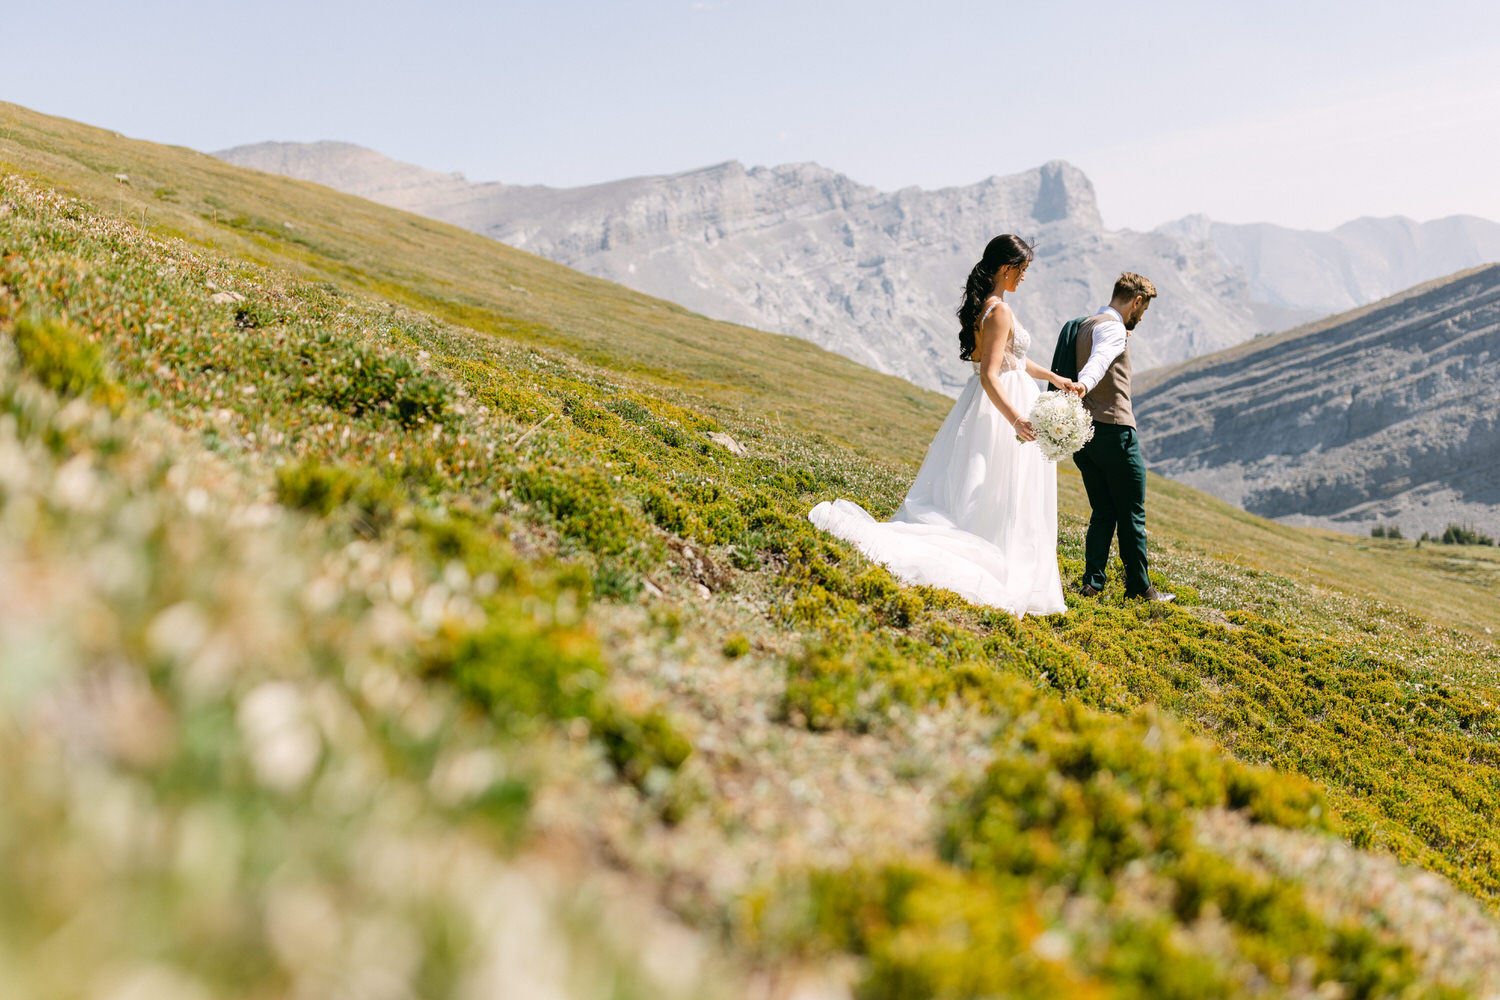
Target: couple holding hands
x,y
981,517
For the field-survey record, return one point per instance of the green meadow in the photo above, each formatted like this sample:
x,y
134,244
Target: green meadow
x,y
388,611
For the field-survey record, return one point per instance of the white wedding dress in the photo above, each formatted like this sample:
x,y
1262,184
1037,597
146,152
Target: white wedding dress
x,y
981,518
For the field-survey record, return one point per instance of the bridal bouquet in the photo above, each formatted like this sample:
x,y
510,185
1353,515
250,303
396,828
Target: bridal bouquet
x,y
1061,423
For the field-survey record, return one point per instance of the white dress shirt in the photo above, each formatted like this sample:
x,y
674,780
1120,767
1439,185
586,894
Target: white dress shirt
x,y
1109,343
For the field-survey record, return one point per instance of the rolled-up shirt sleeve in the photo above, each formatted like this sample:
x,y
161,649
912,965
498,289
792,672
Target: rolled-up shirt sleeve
x,y
1109,343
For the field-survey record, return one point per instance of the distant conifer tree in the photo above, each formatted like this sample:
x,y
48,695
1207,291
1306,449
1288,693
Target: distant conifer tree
x,y
1457,534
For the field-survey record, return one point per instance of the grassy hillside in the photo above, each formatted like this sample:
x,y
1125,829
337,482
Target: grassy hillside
x,y
463,278
364,628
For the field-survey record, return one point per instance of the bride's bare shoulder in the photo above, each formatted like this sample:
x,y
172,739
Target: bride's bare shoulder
x,y
997,318
996,324
996,308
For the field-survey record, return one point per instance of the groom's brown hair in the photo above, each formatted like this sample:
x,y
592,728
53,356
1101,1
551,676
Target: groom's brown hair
x,y
1129,285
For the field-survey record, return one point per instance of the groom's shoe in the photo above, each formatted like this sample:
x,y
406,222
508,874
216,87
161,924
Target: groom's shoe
x,y
1088,591
1152,594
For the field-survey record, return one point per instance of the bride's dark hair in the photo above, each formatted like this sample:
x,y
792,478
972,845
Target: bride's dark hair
x,y
1004,249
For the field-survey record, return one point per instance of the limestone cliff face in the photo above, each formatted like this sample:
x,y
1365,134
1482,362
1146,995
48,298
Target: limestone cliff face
x,y
1387,414
802,250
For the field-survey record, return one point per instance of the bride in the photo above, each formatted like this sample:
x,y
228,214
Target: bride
x,y
981,518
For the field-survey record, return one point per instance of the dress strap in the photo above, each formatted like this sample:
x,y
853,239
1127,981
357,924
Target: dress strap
x,y
1006,360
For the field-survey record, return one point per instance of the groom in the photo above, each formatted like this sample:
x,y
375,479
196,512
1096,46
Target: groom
x,y
1113,472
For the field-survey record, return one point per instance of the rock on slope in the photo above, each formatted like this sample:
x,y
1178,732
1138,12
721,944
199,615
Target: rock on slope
x,y
805,251
1390,413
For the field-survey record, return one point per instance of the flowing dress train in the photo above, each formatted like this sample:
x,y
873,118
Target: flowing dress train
x,y
981,517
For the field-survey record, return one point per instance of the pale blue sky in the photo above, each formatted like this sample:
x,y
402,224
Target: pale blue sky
x,y
1301,113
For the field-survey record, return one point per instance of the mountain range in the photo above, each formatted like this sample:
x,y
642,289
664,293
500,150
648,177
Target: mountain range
x,y
1389,415
803,250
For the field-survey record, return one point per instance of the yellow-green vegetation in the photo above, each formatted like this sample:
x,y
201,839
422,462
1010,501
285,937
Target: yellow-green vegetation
x,y
455,275
1074,805
367,548
62,359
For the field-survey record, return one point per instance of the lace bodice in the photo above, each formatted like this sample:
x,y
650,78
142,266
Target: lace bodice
x,y
1020,343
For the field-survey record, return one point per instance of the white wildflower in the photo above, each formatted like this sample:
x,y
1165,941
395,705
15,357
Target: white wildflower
x,y
177,632
283,741
76,485
303,925
1052,946
456,576
322,594
196,501
385,955
459,777
521,953
151,982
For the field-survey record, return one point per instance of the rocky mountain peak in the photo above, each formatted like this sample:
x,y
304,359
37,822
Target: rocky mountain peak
x,y
1064,193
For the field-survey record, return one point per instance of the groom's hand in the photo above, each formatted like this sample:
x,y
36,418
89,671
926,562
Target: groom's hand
x,y
1076,388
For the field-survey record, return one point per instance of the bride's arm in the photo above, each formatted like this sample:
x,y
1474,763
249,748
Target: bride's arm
x,y
994,341
1035,371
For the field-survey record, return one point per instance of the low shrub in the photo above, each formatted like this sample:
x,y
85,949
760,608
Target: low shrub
x,y
924,930
357,380
60,356
1076,795
639,744
525,673
322,488
585,506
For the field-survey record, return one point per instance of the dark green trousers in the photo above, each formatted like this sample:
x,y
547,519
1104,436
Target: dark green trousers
x,y
1114,475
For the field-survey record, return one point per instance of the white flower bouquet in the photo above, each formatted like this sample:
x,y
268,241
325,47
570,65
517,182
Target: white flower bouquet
x,y
1062,425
